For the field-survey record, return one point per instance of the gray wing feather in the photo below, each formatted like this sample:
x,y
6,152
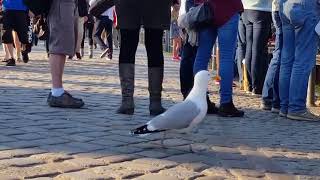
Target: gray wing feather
x,y
178,116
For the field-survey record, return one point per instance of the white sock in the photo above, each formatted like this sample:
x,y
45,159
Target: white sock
x,y
56,92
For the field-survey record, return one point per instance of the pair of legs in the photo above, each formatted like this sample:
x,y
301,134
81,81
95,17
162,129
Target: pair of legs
x,y
62,42
241,48
258,25
227,44
80,31
270,92
298,56
14,20
176,46
128,48
88,28
103,23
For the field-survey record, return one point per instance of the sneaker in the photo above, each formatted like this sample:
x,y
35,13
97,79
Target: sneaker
x,y
228,110
275,110
282,114
109,56
104,53
11,62
64,101
306,116
25,56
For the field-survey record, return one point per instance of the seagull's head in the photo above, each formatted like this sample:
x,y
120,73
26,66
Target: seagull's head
x,y
201,80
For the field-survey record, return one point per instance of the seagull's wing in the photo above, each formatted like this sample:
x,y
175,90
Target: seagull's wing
x,y
178,116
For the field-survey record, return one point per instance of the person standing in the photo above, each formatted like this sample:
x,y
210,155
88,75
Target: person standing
x,y
62,42
257,20
299,19
270,91
155,18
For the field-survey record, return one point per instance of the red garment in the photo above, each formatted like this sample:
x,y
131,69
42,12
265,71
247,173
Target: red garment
x,y
224,10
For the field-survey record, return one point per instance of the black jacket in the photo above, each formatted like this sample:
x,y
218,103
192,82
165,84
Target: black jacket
x,y
83,8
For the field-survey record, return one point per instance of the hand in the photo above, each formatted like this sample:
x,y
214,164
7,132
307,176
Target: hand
x,y
31,14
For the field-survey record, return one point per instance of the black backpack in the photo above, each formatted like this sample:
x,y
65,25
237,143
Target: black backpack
x,y
39,7
100,6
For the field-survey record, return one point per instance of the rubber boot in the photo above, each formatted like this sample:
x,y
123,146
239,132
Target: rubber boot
x,y
155,76
126,74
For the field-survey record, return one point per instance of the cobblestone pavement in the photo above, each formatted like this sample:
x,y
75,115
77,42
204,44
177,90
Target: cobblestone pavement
x,y
38,142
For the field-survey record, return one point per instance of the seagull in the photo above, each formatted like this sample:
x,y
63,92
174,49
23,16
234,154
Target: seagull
x,y
184,116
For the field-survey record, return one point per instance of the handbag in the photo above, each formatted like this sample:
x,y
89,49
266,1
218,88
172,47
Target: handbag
x,y
100,6
39,7
200,16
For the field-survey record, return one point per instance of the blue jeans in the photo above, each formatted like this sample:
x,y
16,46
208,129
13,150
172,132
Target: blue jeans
x,y
270,92
241,49
299,18
227,35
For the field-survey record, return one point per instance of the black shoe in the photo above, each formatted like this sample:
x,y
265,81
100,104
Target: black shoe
x,y
64,101
228,110
212,109
11,62
78,55
265,106
25,56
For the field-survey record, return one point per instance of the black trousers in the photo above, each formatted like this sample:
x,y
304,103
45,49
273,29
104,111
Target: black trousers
x,y
104,23
14,20
153,43
88,28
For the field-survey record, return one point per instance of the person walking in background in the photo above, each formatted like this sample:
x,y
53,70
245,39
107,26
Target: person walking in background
x,y
82,17
155,18
104,23
175,31
15,18
299,19
88,31
62,42
270,92
257,20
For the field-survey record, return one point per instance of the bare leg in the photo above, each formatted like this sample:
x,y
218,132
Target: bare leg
x,y
10,50
17,44
6,51
57,62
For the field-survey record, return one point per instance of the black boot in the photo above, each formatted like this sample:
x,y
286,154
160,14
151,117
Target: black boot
x,y
228,110
126,74
155,76
212,109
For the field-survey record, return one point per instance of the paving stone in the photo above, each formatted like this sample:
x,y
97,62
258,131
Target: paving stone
x,y
218,171
180,173
156,177
212,178
81,175
118,158
152,154
19,162
276,176
51,157
194,166
247,173
86,162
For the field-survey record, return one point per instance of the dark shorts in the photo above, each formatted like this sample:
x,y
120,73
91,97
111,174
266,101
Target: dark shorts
x,y
62,27
14,20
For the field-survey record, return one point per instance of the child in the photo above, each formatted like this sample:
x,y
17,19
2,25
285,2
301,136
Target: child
x,y
175,31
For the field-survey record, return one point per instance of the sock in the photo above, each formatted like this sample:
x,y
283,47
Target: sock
x,y
56,92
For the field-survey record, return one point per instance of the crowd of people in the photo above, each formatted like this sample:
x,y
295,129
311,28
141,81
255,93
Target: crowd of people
x,y
241,29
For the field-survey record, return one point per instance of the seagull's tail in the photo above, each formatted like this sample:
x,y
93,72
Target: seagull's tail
x,y
143,130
